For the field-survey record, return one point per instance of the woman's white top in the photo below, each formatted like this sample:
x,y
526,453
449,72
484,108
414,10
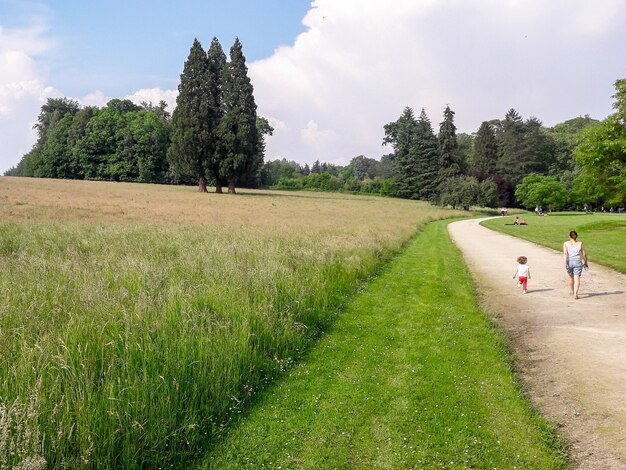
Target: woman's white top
x,y
573,250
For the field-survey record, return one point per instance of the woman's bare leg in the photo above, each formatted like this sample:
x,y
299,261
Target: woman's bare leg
x,y
576,286
570,283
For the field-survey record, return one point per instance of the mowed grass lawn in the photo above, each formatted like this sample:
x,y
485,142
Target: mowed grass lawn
x,y
603,234
411,375
136,320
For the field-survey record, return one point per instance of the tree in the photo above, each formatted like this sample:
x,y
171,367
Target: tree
x,y
192,134
467,191
426,158
99,153
485,154
401,135
566,136
511,147
145,145
216,64
543,191
602,152
239,141
159,110
365,168
122,106
51,113
538,152
451,163
55,159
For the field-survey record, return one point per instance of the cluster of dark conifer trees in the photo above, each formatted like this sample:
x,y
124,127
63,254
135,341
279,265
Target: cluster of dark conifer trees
x,y
447,168
214,134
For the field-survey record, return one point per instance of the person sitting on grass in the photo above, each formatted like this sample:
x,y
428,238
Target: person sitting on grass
x,y
516,221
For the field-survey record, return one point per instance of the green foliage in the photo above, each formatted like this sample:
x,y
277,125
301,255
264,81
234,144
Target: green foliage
x,y
543,191
216,64
451,162
467,191
566,137
146,142
121,142
415,155
51,113
365,168
485,154
275,170
602,154
240,146
192,126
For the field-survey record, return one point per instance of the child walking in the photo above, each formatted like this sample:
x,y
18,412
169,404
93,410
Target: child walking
x,y
523,273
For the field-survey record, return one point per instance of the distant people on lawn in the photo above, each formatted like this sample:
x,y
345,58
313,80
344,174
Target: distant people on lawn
x,y
516,221
575,258
522,272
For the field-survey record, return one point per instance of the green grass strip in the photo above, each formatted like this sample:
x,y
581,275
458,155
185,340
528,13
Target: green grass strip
x,y
412,375
604,235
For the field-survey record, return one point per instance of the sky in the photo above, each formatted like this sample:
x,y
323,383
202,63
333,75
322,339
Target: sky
x,y
328,74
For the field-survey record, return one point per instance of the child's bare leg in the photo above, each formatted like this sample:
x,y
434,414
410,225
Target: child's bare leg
x,y
570,282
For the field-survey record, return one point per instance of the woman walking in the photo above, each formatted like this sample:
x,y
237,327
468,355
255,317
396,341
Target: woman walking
x,y
575,258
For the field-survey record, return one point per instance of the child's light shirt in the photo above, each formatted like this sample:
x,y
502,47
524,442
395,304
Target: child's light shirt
x,y
522,270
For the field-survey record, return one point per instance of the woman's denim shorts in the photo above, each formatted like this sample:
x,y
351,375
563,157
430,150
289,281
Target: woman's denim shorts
x,y
574,268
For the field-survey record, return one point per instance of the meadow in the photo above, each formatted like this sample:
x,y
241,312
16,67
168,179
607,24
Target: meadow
x,y
413,374
604,234
137,320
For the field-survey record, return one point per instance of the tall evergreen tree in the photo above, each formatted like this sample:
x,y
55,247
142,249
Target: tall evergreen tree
x,y
539,148
238,133
426,158
192,135
401,135
485,154
216,64
451,163
511,151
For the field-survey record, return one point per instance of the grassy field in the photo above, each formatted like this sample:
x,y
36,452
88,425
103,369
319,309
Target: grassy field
x,y
136,320
411,375
604,235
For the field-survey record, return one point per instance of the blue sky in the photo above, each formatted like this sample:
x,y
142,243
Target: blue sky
x,y
116,46
328,74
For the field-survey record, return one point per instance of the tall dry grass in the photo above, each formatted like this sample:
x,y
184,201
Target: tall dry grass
x,y
136,320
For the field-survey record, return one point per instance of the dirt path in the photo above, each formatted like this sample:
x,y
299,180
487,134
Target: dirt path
x,y
571,354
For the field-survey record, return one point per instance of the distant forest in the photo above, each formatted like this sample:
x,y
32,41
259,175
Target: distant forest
x,y
215,138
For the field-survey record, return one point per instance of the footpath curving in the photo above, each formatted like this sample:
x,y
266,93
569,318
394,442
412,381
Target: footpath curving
x,y
571,354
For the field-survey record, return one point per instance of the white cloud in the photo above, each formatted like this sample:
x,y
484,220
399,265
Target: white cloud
x,y
96,98
22,90
360,63
154,95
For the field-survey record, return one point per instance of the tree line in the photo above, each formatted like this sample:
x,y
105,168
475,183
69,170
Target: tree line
x,y
213,136
506,162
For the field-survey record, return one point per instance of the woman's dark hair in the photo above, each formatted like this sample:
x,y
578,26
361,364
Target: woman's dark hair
x,y
573,234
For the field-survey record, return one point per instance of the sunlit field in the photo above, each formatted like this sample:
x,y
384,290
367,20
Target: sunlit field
x,y
136,320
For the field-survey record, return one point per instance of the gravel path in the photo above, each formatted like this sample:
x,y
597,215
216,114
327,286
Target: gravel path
x,y
571,354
